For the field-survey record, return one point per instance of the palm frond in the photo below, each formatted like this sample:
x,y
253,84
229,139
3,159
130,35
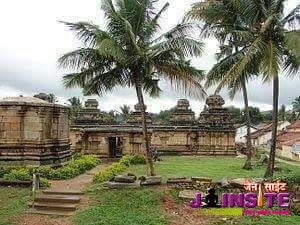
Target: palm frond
x,y
89,33
293,18
182,76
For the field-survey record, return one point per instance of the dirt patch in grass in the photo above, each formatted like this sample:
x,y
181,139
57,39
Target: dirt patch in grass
x,y
34,219
179,212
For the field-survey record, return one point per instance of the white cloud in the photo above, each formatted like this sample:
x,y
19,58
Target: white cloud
x,y
32,39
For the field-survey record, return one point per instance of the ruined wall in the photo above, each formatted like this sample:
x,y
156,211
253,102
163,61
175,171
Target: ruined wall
x,y
33,132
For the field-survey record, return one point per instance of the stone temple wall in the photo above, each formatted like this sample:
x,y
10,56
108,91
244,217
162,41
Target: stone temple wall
x,y
33,131
212,133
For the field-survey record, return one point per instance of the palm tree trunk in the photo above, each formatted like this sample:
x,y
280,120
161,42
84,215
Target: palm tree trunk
x,y
149,161
270,168
247,164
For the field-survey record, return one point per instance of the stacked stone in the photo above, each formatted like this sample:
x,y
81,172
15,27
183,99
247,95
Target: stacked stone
x,y
33,131
183,115
90,115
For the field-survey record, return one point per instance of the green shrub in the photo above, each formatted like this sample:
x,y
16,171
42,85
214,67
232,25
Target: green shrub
x,y
76,166
22,174
44,183
128,160
46,171
109,173
117,168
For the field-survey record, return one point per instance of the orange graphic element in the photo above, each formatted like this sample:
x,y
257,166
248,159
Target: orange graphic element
x,y
275,187
260,197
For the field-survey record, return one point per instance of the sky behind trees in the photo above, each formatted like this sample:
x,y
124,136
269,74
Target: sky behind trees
x,y
32,39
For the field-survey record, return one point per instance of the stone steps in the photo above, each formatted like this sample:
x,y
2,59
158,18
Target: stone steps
x,y
72,199
62,192
56,202
53,206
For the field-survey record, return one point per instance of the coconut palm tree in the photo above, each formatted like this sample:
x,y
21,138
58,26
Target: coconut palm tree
x,y
221,20
130,53
125,112
271,46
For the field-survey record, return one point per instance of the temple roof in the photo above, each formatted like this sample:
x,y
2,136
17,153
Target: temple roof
x,y
27,101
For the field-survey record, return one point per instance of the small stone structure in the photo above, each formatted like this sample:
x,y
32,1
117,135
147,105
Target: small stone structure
x,y
33,131
212,133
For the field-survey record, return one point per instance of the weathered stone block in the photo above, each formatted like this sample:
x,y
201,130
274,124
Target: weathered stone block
x,y
189,194
118,185
151,180
125,179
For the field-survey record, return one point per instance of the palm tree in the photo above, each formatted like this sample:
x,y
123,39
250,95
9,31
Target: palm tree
x,y
125,112
221,20
270,46
129,53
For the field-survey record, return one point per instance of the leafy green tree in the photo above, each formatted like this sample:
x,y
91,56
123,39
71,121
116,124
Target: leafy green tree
x,y
75,107
164,116
236,114
269,46
131,53
296,105
282,113
255,115
109,117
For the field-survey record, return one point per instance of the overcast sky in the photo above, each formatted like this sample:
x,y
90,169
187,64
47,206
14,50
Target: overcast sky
x,y
32,40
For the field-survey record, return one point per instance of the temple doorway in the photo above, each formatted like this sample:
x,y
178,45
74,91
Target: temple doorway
x,y
115,147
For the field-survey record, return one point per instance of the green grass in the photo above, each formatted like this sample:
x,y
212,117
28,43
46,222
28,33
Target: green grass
x,y
122,207
260,220
212,167
13,202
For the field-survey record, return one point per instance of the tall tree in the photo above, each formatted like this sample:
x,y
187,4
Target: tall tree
x,y
125,112
130,53
282,113
296,105
221,20
75,106
270,46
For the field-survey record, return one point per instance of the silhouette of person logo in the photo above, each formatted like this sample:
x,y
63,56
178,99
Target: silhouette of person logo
x,y
211,199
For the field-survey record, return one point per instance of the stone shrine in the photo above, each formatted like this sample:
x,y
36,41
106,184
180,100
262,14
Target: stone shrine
x,y
33,131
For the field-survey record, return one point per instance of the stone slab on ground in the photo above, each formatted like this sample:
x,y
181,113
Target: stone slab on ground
x,y
151,180
176,180
119,185
62,192
189,194
202,179
125,179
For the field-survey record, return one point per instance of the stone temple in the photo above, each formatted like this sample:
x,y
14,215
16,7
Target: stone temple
x,y
212,133
33,131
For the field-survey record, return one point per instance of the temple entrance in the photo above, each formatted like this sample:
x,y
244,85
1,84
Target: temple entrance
x,y
115,147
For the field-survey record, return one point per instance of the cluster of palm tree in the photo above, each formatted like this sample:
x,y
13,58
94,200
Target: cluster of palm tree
x,y
254,41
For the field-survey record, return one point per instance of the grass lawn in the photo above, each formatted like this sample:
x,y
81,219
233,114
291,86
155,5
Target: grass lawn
x,y
212,167
13,201
123,207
